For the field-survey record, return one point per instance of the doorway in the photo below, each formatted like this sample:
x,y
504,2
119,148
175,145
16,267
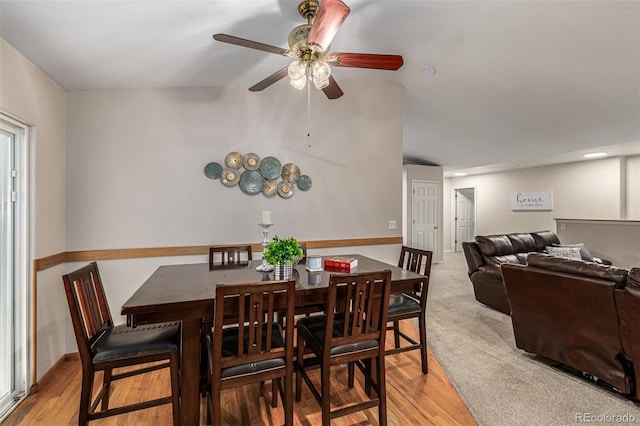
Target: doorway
x,y
464,216
424,216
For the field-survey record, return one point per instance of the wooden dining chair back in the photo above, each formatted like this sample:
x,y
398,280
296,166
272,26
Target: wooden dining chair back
x,y
255,350
221,256
411,305
104,347
351,331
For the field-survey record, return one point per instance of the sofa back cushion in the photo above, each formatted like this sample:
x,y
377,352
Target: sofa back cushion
x,y
494,245
544,238
578,267
522,242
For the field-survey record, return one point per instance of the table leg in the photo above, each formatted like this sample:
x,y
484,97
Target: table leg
x,y
190,366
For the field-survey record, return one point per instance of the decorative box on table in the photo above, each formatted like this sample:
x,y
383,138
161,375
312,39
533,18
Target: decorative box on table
x,y
340,264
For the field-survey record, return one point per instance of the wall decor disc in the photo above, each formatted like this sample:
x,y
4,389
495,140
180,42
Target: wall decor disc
x,y
290,173
304,183
251,182
213,170
233,160
270,167
270,188
285,189
230,177
251,161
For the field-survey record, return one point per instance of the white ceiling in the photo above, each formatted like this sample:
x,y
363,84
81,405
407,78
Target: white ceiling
x,y
517,83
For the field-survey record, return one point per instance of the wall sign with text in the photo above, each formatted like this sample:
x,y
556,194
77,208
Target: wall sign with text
x,y
540,200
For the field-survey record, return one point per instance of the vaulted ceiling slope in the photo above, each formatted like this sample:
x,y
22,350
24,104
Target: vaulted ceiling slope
x,y
486,83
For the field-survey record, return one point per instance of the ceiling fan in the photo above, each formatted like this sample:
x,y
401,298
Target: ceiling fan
x,y
309,46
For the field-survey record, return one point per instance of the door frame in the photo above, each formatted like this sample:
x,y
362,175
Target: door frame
x,y
24,297
454,213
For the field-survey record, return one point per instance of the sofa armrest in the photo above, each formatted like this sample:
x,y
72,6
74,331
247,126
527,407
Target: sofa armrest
x,y
473,256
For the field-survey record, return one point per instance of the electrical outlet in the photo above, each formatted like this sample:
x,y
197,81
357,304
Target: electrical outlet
x,y
563,226
392,224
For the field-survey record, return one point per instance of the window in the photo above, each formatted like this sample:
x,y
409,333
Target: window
x,y
13,264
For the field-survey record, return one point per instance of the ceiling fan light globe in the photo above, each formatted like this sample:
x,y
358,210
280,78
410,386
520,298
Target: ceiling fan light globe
x,y
297,70
298,83
320,84
320,70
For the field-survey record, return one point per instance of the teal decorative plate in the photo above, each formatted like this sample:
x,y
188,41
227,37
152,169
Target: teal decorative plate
x,y
304,183
270,167
213,170
251,182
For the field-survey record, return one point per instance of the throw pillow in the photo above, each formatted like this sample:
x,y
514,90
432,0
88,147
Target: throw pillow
x,y
584,253
565,252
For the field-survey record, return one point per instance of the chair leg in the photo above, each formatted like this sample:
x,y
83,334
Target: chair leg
x,y
396,333
274,392
215,405
174,369
422,328
85,397
325,385
106,381
288,400
351,368
382,388
299,367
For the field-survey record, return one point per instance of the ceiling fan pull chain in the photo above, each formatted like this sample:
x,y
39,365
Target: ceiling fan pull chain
x,y
309,115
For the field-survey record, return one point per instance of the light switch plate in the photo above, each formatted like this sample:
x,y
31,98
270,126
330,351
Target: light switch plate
x,y
392,224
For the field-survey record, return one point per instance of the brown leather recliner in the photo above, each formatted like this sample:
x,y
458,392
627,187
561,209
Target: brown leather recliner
x,y
576,313
485,255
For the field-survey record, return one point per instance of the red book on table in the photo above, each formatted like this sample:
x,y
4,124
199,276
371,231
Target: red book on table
x,y
340,264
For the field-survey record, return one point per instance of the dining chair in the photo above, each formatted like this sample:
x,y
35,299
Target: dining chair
x,y
411,305
255,350
103,347
221,256
351,331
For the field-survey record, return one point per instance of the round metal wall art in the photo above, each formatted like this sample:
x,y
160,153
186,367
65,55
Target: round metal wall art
x,y
251,182
270,168
213,170
290,173
267,175
251,161
233,160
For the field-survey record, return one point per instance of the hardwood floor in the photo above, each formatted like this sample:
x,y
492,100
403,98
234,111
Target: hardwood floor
x,y
412,399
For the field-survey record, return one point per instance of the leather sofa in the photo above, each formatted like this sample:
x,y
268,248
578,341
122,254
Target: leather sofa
x,y
485,255
582,314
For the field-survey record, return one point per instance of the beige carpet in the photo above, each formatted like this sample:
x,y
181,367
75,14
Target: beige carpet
x,y
501,384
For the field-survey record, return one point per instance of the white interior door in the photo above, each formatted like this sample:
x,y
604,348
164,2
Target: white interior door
x,y
465,218
424,223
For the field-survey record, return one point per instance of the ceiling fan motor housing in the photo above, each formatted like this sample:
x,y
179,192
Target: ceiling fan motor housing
x,y
308,9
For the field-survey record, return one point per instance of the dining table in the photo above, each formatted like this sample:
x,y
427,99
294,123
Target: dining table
x,y
186,293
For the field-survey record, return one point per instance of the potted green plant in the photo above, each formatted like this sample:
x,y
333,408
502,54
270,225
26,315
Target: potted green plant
x,y
282,253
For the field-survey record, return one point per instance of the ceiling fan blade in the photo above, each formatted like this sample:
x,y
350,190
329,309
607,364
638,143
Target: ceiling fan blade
x,y
365,60
276,76
332,91
225,38
331,15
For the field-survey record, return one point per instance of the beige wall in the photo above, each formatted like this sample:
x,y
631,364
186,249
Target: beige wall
x,y
135,161
633,187
585,190
28,95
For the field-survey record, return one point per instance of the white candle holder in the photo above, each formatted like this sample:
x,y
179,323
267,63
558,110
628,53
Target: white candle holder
x,y
265,267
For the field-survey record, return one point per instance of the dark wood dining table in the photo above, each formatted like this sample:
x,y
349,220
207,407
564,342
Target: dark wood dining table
x,y
186,293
